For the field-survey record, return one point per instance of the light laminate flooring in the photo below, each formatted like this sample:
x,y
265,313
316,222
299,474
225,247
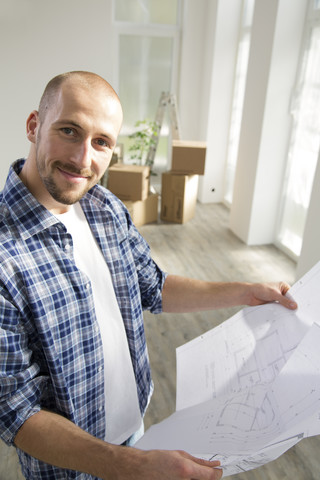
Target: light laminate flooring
x,y
205,248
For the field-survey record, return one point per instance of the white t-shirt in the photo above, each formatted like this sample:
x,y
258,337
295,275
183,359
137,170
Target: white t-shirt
x,y
123,416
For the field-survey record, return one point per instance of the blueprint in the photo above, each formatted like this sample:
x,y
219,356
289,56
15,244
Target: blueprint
x,y
248,389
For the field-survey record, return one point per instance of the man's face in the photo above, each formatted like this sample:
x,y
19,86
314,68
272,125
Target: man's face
x,y
74,143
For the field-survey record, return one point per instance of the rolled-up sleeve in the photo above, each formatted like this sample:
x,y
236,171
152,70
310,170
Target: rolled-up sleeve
x,y
20,382
151,280
150,277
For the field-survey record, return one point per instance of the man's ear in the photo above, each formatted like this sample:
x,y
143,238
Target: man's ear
x,y
32,125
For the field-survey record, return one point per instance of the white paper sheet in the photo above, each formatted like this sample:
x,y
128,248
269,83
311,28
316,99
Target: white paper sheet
x,y
249,389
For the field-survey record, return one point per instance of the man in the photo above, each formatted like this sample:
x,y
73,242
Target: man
x,y
75,277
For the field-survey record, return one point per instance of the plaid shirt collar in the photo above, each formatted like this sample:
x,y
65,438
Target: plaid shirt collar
x,y
30,216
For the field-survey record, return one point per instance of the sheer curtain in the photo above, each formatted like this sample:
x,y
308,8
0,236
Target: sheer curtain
x,y
238,97
304,142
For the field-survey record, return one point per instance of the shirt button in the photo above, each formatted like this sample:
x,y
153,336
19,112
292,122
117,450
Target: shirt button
x,y
67,246
100,409
87,286
99,369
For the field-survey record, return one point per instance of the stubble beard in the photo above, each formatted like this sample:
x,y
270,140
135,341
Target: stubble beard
x,y
62,195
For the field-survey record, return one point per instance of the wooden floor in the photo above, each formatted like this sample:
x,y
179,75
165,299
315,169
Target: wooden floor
x,y
205,248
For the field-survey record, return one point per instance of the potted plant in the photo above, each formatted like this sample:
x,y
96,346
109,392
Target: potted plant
x,y
144,138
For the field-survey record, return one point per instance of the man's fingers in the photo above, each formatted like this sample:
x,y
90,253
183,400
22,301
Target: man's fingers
x,y
272,292
212,472
286,299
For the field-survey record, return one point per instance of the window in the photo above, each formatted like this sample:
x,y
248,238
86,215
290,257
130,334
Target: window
x,y
238,97
304,141
145,65
148,43
147,11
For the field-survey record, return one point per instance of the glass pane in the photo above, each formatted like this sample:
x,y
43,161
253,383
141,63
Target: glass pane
x,y
304,149
145,71
248,6
238,98
147,11
236,115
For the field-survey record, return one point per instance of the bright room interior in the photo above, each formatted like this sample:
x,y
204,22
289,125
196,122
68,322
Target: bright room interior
x,y
246,76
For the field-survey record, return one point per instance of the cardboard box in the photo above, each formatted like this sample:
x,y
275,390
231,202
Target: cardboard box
x,y
188,157
144,211
179,197
104,179
129,182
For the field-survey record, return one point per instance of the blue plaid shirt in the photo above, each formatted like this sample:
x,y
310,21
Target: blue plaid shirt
x,y
50,347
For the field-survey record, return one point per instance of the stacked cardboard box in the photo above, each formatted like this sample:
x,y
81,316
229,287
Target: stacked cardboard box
x,y
179,197
144,211
131,183
188,158
180,185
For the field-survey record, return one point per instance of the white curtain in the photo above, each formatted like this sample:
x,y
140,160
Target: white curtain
x,y
304,146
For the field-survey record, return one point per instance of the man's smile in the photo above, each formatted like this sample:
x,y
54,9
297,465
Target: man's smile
x,y
74,176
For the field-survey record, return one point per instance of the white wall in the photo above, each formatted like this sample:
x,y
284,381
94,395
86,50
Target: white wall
x,y
224,44
196,58
39,39
208,53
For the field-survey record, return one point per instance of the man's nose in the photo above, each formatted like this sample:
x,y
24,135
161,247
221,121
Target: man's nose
x,y
82,157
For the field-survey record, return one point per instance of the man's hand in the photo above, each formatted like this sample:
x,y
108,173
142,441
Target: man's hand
x,y
261,293
164,465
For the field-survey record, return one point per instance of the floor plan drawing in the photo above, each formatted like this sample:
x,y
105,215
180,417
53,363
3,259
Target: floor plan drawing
x,y
240,414
250,348
248,389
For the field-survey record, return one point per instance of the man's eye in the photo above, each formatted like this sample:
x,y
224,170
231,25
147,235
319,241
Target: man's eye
x,y
68,131
101,142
